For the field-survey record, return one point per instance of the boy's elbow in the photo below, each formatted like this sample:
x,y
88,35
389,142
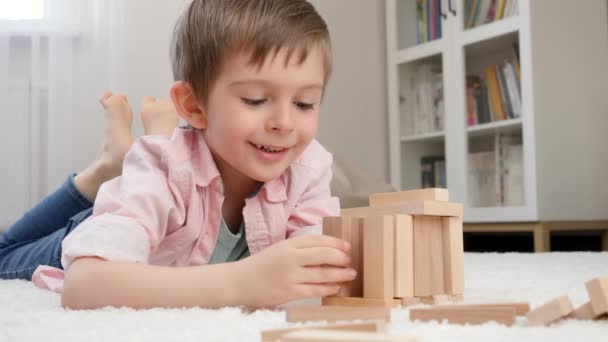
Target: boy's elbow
x,y
79,283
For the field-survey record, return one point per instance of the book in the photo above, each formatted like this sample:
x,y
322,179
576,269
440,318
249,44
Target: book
x,y
432,169
498,112
513,88
491,16
483,12
504,95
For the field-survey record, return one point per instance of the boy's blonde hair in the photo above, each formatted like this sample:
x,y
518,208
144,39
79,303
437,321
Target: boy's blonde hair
x,y
210,30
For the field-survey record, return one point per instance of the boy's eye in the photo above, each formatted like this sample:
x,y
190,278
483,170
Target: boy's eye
x,y
305,106
253,102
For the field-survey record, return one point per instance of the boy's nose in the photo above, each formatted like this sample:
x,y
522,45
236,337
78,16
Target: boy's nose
x,y
281,121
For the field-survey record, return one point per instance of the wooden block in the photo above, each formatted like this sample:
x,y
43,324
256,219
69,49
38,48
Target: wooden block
x,y
598,294
453,255
378,257
343,336
435,299
456,298
465,315
349,229
428,208
392,198
428,256
550,312
583,312
274,335
521,308
356,301
410,301
336,313
404,256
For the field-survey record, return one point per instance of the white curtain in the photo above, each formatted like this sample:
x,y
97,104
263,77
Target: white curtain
x,y
56,57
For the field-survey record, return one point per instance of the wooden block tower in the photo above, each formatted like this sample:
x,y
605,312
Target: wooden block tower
x,y
407,248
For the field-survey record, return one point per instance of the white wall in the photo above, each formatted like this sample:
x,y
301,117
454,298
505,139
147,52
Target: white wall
x,y
354,119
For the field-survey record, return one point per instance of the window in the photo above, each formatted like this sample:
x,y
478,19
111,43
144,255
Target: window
x,y
21,9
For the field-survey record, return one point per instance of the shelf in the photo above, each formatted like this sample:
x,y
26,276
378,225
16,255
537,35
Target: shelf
x,y
490,31
500,126
498,214
421,51
433,136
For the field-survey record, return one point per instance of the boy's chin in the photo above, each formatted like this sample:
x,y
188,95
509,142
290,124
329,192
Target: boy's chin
x,y
267,175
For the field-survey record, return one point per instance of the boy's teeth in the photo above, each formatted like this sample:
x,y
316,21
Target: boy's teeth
x,y
268,149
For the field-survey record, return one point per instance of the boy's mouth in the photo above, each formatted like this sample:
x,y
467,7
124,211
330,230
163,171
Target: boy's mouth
x,y
269,149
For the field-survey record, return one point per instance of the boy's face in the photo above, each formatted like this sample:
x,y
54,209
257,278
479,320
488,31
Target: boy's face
x,y
259,121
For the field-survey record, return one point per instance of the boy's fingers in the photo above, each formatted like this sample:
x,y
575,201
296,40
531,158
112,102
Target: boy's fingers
x,y
326,275
316,290
320,241
315,256
149,99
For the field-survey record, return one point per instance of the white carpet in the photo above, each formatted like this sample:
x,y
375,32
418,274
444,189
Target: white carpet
x,y
30,314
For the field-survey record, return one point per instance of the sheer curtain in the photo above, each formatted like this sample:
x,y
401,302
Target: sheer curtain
x,y
56,58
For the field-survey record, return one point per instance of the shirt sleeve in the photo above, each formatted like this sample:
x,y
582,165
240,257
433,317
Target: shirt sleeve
x,y
316,202
133,212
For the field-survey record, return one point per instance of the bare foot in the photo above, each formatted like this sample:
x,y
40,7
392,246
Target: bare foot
x,y
118,141
158,116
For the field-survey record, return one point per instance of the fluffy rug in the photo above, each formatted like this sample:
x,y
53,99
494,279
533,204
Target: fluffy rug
x,y
30,314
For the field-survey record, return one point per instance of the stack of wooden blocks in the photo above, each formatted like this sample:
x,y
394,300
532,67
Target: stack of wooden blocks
x,y
407,248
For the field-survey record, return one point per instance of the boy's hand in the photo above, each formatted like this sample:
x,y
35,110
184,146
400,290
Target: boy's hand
x,y
298,268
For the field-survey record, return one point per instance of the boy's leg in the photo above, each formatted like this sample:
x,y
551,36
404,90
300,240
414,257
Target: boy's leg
x,y
20,260
50,214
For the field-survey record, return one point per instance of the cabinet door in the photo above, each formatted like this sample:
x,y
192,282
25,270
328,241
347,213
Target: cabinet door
x,y
418,36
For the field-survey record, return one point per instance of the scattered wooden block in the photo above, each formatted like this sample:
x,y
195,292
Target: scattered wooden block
x,y
427,208
303,313
583,312
465,315
598,294
357,301
276,334
550,312
391,198
521,308
404,256
428,256
342,336
349,229
453,254
378,257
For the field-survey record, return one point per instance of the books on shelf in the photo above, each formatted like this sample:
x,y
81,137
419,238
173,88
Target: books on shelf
x,y
422,107
433,172
495,178
428,23
495,97
479,12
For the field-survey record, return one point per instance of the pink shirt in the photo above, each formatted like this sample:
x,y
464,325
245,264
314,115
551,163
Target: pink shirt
x,y
165,209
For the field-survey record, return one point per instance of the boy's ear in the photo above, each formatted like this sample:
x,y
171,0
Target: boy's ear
x,y
187,105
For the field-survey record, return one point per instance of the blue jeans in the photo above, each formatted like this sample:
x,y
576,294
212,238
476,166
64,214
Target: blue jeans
x,y
36,238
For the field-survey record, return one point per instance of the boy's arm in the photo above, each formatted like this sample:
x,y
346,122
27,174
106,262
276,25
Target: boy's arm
x,y
305,267
92,283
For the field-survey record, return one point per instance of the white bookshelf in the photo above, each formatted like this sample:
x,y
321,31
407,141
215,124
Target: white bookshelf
x,y
563,54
